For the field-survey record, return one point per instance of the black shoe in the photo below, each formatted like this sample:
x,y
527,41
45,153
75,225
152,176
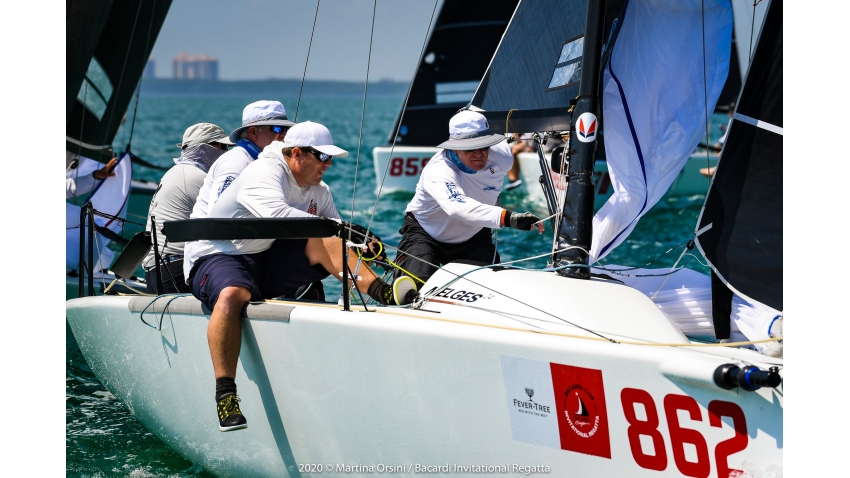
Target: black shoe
x,y
229,416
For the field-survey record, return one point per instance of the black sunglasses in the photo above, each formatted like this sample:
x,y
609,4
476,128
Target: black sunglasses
x,y
318,154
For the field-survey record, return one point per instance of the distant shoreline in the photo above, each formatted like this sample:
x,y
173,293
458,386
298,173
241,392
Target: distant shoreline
x,y
280,88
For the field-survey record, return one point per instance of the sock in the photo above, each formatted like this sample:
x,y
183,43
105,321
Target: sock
x,y
381,291
224,386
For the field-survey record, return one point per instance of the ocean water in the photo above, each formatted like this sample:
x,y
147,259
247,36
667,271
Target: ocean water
x,y
102,436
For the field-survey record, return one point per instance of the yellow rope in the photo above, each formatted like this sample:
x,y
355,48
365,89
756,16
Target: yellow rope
x,y
127,286
508,119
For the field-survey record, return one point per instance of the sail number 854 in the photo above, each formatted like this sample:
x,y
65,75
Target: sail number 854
x,y
680,436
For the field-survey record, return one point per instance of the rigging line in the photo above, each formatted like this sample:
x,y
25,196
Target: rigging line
x,y
123,69
307,61
80,143
705,99
752,31
401,117
139,87
362,118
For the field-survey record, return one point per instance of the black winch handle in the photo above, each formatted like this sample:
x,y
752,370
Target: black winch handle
x,y
749,378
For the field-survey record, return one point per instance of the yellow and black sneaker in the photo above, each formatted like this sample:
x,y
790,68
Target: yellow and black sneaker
x,y
404,290
229,416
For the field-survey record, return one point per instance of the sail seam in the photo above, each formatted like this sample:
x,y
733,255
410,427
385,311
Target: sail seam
x,y
637,149
758,123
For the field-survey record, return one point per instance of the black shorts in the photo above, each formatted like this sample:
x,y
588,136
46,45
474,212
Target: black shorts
x,y
172,278
276,272
416,242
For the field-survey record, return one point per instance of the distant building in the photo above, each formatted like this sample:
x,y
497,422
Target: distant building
x,y
150,69
195,67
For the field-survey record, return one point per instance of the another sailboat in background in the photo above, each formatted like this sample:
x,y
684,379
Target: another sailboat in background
x,y
459,45
107,48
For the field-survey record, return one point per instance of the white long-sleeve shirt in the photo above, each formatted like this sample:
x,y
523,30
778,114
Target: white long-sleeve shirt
x,y
221,175
266,188
452,206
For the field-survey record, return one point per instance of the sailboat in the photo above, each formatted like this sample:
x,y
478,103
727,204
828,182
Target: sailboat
x,y
446,78
446,385
107,47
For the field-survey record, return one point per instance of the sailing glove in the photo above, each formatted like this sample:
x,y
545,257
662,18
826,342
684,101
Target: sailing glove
x,y
520,220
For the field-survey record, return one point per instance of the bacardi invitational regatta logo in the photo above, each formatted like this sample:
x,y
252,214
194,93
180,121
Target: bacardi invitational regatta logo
x,y
581,411
582,416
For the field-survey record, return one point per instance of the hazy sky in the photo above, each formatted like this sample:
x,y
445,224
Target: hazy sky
x,y
258,39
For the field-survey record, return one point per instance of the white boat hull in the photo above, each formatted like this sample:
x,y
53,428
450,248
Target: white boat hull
x,y
322,387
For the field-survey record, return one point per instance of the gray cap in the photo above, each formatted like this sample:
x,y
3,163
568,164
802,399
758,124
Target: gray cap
x,y
204,133
261,113
470,130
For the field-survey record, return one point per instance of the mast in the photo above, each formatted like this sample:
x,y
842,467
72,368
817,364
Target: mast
x,y
576,225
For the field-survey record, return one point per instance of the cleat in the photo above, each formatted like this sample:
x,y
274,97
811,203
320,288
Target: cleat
x,y
404,290
229,416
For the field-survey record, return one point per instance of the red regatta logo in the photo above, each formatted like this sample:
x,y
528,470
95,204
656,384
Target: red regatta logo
x,y
582,416
586,126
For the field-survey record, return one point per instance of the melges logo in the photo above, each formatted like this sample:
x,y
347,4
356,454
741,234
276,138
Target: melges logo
x,y
586,127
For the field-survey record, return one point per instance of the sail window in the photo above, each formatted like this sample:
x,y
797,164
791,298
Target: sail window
x,y
568,68
455,92
96,89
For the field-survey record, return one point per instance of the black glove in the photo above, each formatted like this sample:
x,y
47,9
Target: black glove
x,y
358,236
520,220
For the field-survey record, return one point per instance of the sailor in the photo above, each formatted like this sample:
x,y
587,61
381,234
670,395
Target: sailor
x,y
262,122
202,145
286,181
453,211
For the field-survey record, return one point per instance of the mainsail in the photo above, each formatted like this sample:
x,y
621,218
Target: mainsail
x,y
111,43
740,227
460,44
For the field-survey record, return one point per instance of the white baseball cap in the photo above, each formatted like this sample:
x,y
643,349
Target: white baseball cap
x,y
261,113
313,135
470,130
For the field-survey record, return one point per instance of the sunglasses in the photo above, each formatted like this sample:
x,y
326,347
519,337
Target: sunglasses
x,y
277,129
318,154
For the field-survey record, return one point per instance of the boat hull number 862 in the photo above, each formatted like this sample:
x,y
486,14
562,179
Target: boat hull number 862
x,y
639,402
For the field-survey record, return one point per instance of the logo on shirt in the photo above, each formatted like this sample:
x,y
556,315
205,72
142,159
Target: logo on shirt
x,y
454,193
492,171
586,127
490,188
313,208
227,182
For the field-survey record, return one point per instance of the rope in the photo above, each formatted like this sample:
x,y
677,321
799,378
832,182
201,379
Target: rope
x,y
705,99
139,87
401,119
307,62
362,118
752,32
123,69
164,309
508,121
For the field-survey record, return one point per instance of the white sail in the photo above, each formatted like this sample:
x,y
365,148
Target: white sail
x,y
655,103
110,197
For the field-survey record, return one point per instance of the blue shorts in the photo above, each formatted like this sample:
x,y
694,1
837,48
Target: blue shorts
x,y
275,272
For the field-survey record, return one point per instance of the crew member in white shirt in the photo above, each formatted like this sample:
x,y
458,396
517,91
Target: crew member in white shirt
x,y
262,122
286,181
453,211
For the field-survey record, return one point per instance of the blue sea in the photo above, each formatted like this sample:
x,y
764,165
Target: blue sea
x,y
104,439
